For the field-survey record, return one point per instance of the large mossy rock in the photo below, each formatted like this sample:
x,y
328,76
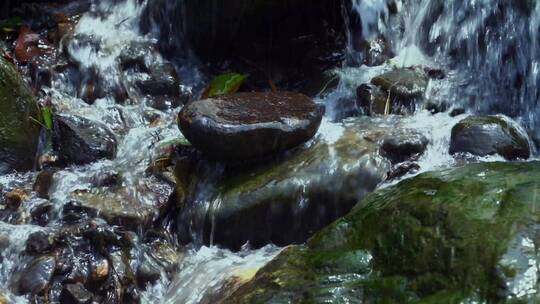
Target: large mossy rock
x,y
461,235
19,135
249,125
488,135
286,200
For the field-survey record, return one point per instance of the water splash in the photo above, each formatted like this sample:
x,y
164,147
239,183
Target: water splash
x,y
206,270
13,237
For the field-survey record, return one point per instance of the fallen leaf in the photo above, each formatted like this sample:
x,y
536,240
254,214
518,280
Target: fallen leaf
x,y
224,84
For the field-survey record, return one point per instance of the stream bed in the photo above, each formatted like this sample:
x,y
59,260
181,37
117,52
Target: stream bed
x,y
131,230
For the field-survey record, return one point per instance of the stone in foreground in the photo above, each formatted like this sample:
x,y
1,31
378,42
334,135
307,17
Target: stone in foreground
x,y
462,235
488,135
249,125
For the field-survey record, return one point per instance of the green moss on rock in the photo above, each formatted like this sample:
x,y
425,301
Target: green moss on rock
x,y
441,237
18,133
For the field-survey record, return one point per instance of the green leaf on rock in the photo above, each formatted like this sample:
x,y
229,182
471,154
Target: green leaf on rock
x,y
47,116
9,25
224,84
180,141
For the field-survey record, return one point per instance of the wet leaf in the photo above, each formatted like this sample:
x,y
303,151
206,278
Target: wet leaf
x,y
47,116
28,45
180,141
8,25
224,84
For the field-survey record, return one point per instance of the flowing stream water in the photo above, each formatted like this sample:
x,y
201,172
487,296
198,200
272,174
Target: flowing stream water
x,y
489,48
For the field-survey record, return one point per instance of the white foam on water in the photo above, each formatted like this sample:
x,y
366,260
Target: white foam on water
x,y
371,12
206,270
16,235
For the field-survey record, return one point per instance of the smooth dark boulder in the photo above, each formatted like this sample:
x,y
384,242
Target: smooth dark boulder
x,y
394,92
135,55
43,183
286,200
249,125
163,81
35,277
39,242
372,100
162,88
75,294
372,52
41,213
19,131
461,235
489,135
403,146
405,83
80,141
116,207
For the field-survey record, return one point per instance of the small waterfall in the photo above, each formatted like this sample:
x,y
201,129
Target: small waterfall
x,y
209,268
488,48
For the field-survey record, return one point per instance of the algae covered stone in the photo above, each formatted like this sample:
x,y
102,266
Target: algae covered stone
x,y
467,234
19,133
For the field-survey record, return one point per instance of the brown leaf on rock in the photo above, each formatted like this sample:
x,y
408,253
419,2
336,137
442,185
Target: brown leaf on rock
x,y
29,45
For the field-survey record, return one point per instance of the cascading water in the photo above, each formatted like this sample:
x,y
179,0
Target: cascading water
x,y
489,49
99,39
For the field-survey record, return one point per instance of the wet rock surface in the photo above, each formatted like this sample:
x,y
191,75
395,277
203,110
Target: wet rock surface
x,y
488,135
403,146
79,140
401,169
249,125
130,188
395,92
286,200
75,293
451,236
87,260
163,87
119,207
36,276
404,84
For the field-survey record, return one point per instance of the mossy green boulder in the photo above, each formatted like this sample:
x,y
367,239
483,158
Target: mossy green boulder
x,y
463,235
19,134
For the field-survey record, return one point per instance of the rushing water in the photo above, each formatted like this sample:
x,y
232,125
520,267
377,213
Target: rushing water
x,y
489,49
